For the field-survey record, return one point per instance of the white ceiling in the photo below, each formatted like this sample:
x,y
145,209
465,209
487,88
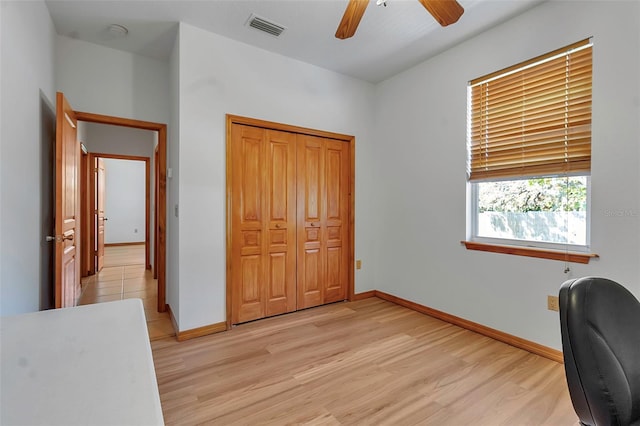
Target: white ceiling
x,y
389,39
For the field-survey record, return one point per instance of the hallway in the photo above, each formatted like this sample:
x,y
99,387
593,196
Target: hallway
x,y
124,277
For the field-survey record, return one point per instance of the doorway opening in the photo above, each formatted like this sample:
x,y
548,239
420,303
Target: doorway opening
x,y
158,244
116,190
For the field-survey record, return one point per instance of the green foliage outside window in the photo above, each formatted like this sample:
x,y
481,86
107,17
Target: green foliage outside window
x,y
534,195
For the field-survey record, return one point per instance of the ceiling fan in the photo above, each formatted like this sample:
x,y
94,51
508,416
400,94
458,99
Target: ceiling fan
x,y
446,12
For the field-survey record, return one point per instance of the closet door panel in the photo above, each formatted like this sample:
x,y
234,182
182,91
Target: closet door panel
x,y
311,212
311,265
247,224
250,292
310,177
333,290
337,186
281,212
277,291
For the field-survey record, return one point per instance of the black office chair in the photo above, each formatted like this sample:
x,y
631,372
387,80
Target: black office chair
x,y
600,325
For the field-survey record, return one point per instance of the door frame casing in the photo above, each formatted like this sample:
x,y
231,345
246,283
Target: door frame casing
x,y
161,203
247,121
156,186
86,265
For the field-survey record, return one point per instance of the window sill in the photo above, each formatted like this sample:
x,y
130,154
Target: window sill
x,y
573,257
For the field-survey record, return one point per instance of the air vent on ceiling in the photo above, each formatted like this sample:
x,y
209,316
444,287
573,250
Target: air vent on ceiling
x,y
264,25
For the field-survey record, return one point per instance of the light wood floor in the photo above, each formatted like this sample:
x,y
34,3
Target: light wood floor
x,y
124,277
360,363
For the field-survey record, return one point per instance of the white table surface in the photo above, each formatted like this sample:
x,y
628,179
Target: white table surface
x,y
87,365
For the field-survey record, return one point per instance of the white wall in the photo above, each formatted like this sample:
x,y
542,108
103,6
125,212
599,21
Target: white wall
x,y
27,120
106,81
421,182
219,76
107,139
124,201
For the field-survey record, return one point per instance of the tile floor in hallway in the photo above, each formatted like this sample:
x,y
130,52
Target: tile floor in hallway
x,y
124,277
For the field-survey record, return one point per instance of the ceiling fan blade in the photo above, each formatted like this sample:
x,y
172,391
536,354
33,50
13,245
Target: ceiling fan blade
x,y
446,12
351,18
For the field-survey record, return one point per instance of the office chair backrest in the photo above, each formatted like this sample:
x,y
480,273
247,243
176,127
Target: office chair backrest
x,y
600,325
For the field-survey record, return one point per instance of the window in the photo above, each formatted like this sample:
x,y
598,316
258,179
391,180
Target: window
x,y
529,152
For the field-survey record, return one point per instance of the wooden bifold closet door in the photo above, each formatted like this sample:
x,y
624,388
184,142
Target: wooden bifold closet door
x,y
289,199
323,199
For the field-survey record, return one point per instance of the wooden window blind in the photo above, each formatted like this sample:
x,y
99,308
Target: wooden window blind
x,y
534,118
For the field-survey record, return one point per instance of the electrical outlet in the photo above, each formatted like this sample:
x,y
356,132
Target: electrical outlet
x,y
552,303
358,264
